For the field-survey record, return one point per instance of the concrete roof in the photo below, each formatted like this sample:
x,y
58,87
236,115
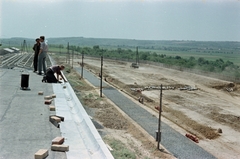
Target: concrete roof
x,y
24,120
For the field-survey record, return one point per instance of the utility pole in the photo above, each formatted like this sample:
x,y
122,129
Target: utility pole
x,y
159,120
67,52
69,57
24,46
82,65
72,57
137,60
101,76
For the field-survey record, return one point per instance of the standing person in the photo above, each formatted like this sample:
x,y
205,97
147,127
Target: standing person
x,y
36,49
50,77
42,56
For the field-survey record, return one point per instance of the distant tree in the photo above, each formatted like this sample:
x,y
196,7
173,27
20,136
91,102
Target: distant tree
x,y
96,47
144,56
178,57
191,58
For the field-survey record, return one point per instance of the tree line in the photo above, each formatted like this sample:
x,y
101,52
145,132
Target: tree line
x,y
217,66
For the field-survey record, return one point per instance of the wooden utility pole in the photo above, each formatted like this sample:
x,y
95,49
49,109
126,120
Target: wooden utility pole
x,y
67,52
72,57
137,60
82,65
159,120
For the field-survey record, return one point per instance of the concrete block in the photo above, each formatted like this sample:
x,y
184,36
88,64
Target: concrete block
x,y
60,147
58,140
62,118
40,154
48,102
54,122
52,108
57,119
53,95
40,93
48,97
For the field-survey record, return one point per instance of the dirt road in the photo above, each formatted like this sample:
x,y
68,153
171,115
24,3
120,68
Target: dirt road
x,y
191,103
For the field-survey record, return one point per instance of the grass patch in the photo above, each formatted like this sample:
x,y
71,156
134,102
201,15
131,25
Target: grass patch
x,y
119,150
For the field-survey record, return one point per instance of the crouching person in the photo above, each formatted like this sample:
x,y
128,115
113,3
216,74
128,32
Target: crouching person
x,y
50,74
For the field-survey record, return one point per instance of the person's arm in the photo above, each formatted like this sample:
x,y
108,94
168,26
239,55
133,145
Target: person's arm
x,y
63,77
57,76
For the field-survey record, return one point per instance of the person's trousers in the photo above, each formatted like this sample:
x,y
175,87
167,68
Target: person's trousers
x,y
42,62
50,77
35,62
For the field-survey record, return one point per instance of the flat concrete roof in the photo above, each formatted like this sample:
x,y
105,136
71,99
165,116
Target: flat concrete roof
x,y
24,118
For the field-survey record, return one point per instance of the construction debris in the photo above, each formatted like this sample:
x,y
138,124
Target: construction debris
x,y
54,122
47,102
229,89
52,108
189,88
148,88
53,95
219,130
192,137
57,119
40,93
62,148
41,154
48,97
140,99
158,108
58,140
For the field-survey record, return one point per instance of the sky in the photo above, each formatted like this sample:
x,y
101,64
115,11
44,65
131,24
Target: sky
x,y
199,20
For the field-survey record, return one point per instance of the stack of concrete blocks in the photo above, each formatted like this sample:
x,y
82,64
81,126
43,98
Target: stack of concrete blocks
x,y
48,100
55,120
52,107
57,145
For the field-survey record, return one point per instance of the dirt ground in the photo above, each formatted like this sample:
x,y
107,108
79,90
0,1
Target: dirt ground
x,y
205,107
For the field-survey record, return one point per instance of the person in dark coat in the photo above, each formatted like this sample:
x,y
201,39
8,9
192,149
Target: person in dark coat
x,y
50,74
36,49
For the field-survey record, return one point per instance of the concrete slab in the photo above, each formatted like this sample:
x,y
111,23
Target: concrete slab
x,y
24,124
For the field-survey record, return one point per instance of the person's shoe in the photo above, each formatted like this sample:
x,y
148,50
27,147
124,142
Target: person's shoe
x,y
34,71
39,73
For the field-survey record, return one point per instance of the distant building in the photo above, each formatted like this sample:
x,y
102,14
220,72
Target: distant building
x,y
15,49
7,50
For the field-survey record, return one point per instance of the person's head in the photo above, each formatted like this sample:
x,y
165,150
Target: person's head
x,y
62,67
42,38
37,40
